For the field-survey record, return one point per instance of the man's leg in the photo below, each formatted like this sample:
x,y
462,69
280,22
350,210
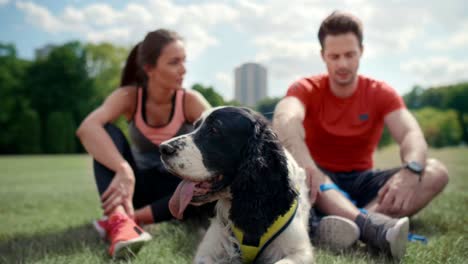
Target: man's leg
x,y
433,181
379,231
335,231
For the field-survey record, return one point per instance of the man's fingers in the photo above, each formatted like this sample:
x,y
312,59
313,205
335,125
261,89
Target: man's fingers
x,y
382,193
387,201
406,205
397,204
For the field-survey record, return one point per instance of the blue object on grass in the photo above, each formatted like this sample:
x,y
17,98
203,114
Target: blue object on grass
x,y
417,238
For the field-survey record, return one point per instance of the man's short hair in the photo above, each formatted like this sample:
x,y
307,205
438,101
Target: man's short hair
x,y
338,23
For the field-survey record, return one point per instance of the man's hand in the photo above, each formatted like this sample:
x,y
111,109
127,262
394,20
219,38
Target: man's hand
x,y
397,194
314,179
120,192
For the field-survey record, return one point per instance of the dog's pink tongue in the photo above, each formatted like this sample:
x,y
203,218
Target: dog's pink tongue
x,y
181,198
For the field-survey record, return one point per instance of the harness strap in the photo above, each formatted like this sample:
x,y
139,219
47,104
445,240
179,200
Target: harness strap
x,y
250,252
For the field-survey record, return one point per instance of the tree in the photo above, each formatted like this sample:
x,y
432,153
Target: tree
x,y
104,64
14,103
267,106
413,98
457,99
59,82
443,97
27,132
233,103
60,136
440,127
214,98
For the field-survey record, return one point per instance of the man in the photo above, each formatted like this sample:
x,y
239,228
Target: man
x,y
332,123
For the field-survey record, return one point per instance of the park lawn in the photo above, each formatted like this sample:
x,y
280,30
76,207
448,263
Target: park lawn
x,y
48,202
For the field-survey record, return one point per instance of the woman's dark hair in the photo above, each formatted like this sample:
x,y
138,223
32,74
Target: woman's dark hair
x,y
146,52
340,23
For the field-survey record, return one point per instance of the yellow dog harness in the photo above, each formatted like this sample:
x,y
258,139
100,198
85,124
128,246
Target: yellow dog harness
x,y
250,252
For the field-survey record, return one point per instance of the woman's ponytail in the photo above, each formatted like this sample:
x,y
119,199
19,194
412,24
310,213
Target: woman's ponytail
x,y
132,73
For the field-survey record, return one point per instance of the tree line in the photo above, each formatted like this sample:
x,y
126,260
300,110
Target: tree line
x,y
44,100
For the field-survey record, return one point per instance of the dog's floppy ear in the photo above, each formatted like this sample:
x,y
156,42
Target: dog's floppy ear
x,y
261,189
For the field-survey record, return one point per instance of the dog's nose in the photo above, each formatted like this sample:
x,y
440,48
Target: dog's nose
x,y
167,149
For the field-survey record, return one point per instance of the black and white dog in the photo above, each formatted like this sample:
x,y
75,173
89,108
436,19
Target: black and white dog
x,y
234,156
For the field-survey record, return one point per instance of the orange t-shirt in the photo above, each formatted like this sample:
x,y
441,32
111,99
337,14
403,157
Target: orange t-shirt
x,y
342,133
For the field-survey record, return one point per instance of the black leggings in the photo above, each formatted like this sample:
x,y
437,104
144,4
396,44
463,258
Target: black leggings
x,y
152,187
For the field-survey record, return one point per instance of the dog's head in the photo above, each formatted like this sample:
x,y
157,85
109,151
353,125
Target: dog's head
x,y
233,153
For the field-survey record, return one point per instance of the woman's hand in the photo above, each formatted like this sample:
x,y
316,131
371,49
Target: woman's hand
x,y
120,191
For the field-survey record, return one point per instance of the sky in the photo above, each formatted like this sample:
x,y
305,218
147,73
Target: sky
x,y
406,43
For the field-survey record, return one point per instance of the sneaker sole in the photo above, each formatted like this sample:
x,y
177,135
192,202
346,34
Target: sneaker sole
x,y
337,233
102,233
130,248
397,237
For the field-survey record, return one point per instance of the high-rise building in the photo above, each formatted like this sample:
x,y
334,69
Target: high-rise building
x,y
250,83
43,52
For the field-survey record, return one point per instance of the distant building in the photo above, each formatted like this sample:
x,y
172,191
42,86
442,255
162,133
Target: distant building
x,y
43,52
250,83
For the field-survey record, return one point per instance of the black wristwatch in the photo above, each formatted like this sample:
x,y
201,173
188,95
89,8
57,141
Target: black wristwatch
x,y
415,167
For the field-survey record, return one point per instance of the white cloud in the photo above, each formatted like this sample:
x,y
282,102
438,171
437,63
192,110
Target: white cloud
x,y
101,14
282,36
4,2
437,70
225,85
102,22
112,35
458,39
40,16
287,58
285,35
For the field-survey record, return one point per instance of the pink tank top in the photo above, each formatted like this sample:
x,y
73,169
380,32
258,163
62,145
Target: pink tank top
x,y
159,134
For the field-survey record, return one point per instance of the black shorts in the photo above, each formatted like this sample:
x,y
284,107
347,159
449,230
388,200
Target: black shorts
x,y
361,186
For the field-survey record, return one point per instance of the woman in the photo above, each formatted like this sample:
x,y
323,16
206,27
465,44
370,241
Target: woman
x,y
151,98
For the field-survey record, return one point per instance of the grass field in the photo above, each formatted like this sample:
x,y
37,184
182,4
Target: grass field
x,y
48,202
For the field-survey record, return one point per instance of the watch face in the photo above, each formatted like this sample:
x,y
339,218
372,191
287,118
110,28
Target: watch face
x,y
415,166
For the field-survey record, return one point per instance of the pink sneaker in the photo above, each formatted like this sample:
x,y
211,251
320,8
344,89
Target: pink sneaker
x,y
125,235
102,227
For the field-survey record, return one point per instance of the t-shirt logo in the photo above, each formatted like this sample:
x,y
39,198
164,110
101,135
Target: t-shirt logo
x,y
364,117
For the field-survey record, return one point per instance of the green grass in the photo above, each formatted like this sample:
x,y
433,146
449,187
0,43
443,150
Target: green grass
x,y
48,202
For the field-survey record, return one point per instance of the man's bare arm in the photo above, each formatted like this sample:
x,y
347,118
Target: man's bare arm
x,y
405,130
288,124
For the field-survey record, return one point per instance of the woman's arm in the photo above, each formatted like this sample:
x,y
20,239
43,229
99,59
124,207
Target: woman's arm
x,y
194,104
118,196
92,134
